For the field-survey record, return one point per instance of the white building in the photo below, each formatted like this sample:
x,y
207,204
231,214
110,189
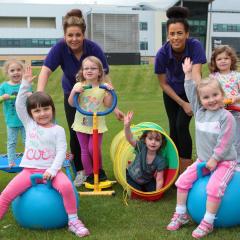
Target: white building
x,y
224,19
27,31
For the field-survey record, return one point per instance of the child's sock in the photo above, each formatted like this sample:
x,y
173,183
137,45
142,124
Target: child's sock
x,y
209,217
181,209
72,217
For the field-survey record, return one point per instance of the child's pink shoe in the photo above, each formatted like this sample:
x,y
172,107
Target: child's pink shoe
x,y
203,229
177,221
78,228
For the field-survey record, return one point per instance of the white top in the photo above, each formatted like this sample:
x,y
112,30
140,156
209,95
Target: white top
x,y
45,148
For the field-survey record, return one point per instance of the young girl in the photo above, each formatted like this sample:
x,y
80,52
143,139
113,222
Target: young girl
x,y
223,67
145,173
45,151
14,71
215,128
94,100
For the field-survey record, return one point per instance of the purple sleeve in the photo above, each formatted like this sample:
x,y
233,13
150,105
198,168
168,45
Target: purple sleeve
x,y
53,59
198,53
160,62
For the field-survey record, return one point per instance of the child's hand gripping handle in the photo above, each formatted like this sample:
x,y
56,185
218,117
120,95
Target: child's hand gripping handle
x,y
227,101
200,170
109,110
10,98
37,176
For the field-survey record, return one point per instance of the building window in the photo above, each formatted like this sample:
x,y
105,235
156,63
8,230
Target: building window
x,y
13,22
164,32
115,33
144,45
27,43
226,27
41,22
36,63
143,26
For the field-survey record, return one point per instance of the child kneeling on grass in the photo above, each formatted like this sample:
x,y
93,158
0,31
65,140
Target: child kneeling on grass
x,y
145,173
215,128
45,151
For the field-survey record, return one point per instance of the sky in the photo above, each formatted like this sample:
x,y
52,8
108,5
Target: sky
x,y
161,3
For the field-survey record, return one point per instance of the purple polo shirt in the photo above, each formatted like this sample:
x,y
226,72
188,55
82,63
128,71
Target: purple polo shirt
x,y
61,55
165,62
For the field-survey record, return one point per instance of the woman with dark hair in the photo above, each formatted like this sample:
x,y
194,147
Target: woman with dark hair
x,y
168,67
69,53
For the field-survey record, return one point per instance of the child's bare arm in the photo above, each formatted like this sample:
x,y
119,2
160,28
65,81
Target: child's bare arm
x,y
107,101
76,89
159,180
128,134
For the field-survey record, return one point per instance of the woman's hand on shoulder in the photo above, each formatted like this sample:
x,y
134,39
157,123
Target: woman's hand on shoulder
x,y
28,74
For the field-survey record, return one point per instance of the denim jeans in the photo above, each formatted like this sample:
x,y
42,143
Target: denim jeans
x,y
12,136
147,187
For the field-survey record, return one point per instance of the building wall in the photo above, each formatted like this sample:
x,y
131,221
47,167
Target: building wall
x,y
30,29
226,14
42,26
34,29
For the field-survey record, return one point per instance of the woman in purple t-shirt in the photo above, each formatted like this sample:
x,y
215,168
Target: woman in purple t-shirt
x,y
69,53
168,67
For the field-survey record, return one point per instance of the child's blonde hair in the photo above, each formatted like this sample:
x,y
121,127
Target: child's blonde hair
x,y
12,61
101,77
207,81
218,50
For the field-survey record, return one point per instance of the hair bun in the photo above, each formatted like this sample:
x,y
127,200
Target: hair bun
x,y
74,13
177,12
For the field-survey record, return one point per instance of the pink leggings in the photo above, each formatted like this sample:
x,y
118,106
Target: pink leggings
x,y
217,183
86,143
22,182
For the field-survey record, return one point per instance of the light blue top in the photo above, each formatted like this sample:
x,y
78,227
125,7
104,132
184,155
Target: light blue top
x,y
9,110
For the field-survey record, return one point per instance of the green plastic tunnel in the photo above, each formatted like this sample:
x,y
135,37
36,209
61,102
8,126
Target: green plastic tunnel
x,y
122,153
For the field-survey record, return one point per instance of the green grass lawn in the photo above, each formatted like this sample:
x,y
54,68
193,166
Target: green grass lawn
x,y
109,218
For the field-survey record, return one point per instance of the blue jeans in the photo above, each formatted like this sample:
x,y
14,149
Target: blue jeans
x,y
147,187
12,136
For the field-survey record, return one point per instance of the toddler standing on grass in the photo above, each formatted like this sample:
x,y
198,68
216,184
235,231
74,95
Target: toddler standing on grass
x,y
91,100
215,129
14,70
